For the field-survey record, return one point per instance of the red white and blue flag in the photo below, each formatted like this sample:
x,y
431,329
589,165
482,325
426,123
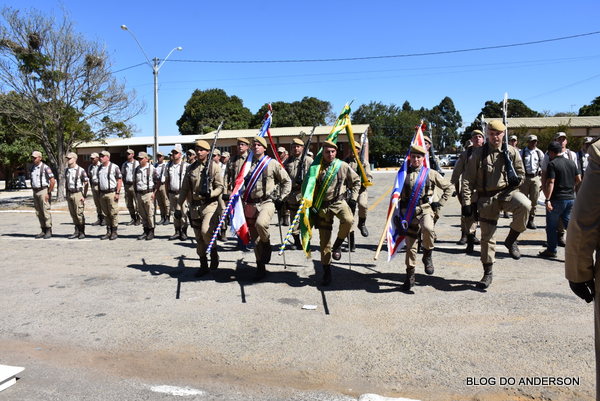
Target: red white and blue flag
x,y
396,232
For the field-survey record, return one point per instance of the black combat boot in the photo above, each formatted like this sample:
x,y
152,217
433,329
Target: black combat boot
x,y
530,223
183,233
297,242
351,242
266,252
41,234
150,235
75,233
144,235
361,226
176,235
326,280
132,221
486,280
203,267
336,252
463,239
114,234
511,243
48,233
167,220
429,269
138,220
409,280
102,221
81,231
286,220
261,271
214,258
108,232
470,244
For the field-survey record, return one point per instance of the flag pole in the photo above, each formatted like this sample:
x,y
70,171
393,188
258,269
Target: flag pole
x,y
387,225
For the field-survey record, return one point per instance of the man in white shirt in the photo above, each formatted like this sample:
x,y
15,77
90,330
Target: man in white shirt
x,y
532,184
42,183
143,183
162,199
174,176
76,188
127,169
92,173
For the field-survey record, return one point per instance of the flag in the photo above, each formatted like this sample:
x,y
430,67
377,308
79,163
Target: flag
x,y
396,232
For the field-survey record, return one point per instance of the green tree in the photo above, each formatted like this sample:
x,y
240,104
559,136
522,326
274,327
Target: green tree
x,y
61,89
592,109
445,122
304,113
205,110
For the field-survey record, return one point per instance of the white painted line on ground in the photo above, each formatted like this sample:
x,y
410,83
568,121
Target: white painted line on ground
x,y
375,397
8,375
180,391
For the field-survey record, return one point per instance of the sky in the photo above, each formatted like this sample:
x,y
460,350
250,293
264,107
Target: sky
x,y
554,76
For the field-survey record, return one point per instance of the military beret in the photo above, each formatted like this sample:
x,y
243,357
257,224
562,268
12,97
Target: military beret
x,y
417,149
94,155
35,153
330,144
243,140
260,140
496,125
71,155
357,145
476,132
427,139
202,144
298,141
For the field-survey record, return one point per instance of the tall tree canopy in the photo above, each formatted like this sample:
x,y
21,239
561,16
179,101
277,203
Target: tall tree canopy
x,y
61,89
445,121
205,110
592,109
307,112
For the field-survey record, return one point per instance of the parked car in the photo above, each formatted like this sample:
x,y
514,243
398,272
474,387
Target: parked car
x,y
452,160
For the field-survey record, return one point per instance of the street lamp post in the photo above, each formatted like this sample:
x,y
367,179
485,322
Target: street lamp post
x,y
155,65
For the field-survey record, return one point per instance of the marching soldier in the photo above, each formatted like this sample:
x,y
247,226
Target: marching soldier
x,y
532,184
260,201
42,184
468,225
76,188
423,220
127,171
225,195
296,173
143,183
235,165
162,198
174,173
110,182
202,191
335,195
433,162
191,156
363,198
92,173
486,173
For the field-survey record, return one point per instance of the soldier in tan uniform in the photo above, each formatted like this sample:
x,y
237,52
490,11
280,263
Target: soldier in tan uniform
x,y
292,167
145,192
174,175
76,188
582,260
92,173
202,192
423,220
363,198
42,184
162,198
233,169
335,195
263,195
110,182
468,225
486,173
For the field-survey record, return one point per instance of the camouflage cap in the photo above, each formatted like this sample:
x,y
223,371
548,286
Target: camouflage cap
x,y
216,152
36,153
298,141
130,151
142,155
71,155
105,153
94,155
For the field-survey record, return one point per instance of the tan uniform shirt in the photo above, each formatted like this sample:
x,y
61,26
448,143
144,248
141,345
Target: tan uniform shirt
x,y
354,166
346,180
192,183
489,173
434,179
233,169
273,175
291,167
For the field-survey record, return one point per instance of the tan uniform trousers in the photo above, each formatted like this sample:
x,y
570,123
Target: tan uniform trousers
x,y
363,202
131,199
174,204
96,195
341,210
424,220
468,224
42,208
258,218
204,219
110,209
531,189
489,210
162,200
145,206
76,208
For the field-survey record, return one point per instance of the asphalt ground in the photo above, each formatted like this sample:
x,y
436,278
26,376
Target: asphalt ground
x,y
108,320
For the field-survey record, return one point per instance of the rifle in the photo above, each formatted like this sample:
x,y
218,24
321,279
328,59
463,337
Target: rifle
x,y
513,179
300,172
207,172
363,142
432,159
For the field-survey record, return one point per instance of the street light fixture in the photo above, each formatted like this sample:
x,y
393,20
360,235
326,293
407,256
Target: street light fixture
x,y
155,65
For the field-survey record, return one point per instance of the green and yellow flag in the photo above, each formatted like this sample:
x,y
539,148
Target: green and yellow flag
x,y
310,180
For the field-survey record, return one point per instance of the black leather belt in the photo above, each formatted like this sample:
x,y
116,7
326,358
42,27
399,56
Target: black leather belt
x,y
144,192
71,191
39,189
106,191
530,175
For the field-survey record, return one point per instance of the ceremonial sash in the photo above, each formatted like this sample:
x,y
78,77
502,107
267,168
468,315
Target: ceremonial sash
x,y
415,196
254,175
329,174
